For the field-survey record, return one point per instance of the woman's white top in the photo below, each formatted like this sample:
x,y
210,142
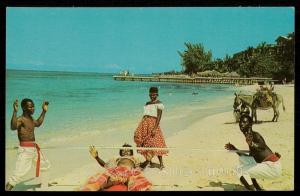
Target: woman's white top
x,y
151,109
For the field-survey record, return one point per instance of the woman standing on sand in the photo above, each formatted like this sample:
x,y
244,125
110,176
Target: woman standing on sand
x,y
148,132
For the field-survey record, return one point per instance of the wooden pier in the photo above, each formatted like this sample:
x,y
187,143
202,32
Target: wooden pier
x,y
195,80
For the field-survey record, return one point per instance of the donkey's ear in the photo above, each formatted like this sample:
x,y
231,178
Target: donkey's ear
x,y
235,94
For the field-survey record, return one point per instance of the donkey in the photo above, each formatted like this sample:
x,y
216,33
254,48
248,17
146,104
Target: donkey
x,y
256,102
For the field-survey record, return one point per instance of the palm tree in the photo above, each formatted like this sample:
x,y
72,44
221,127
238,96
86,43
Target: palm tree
x,y
262,48
195,58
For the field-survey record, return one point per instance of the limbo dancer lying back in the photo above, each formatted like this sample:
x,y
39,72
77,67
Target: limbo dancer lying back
x,y
122,174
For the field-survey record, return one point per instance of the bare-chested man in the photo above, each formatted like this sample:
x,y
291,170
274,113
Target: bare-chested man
x,y
260,163
28,151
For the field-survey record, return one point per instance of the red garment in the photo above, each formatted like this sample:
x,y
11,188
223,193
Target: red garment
x,y
143,138
38,162
272,157
118,187
120,176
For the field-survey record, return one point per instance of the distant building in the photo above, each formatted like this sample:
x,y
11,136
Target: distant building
x,y
124,73
268,48
282,40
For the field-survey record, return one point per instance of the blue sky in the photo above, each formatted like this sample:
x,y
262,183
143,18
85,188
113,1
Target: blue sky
x,y
142,40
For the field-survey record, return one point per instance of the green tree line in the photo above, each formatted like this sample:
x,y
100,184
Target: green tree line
x,y
276,61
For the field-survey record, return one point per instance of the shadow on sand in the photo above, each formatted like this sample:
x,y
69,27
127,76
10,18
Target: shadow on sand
x,y
230,123
263,121
23,186
228,186
258,122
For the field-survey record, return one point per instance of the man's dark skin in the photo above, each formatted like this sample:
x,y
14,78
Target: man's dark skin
x,y
257,146
25,123
123,162
123,153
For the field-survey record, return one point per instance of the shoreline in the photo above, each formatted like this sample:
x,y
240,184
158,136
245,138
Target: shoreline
x,y
50,132
200,170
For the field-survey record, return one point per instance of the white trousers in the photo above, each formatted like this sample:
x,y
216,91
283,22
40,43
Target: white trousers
x,y
26,157
265,170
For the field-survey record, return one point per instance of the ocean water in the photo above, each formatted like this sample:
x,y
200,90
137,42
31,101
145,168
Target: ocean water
x,y
89,103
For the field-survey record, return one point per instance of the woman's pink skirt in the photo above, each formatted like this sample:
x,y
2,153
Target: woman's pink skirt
x,y
143,138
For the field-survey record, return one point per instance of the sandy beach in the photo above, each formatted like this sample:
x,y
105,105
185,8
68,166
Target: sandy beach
x,y
199,162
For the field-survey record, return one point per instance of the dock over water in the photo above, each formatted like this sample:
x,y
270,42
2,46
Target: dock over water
x,y
195,80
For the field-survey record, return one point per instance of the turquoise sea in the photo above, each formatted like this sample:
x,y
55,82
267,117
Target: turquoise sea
x,y
87,103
